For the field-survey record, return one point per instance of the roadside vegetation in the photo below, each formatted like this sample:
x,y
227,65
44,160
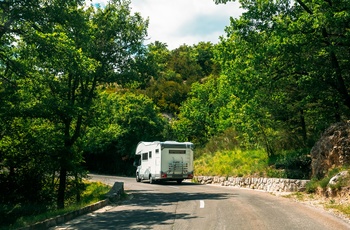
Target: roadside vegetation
x,y
232,163
80,89
223,156
332,197
93,192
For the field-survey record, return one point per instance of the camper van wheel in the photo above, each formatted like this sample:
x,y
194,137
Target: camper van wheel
x,y
151,181
179,181
138,179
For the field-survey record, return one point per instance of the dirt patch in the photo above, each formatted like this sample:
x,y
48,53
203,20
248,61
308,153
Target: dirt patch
x,y
338,205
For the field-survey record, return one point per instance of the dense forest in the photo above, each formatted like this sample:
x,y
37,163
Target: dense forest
x,y
79,89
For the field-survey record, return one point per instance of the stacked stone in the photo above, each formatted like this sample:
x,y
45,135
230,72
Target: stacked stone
x,y
265,184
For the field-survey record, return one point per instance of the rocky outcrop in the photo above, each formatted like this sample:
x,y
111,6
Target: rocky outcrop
x,y
332,149
266,184
337,178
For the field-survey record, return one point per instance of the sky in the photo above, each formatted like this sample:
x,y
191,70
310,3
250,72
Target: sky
x,y
178,22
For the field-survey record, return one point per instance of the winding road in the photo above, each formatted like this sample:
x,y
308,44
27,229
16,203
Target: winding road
x,y
192,206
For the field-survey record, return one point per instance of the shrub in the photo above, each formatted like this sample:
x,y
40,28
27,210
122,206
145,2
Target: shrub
x,y
296,163
312,185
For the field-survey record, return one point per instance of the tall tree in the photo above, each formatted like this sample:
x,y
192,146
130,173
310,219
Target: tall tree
x,y
70,52
288,52
121,120
311,36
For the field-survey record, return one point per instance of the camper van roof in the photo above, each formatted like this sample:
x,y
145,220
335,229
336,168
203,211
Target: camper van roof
x,y
166,144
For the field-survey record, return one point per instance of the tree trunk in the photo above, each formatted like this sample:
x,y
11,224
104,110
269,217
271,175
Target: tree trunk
x,y
77,187
63,166
303,127
62,184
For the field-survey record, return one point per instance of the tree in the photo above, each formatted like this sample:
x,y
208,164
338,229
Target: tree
x,y
175,71
204,55
292,52
69,53
121,121
200,115
183,62
315,31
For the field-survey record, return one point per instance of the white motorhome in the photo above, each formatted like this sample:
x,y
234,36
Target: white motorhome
x,y
164,161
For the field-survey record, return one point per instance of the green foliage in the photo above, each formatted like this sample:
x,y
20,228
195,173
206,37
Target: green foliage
x,y
296,163
232,163
200,116
323,183
269,88
55,57
221,142
168,94
121,121
94,192
276,60
343,208
170,74
312,185
272,172
27,165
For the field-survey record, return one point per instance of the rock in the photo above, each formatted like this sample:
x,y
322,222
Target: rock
x,y
331,150
264,184
337,177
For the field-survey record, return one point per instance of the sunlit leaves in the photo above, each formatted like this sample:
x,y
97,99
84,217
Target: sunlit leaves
x,y
58,55
121,120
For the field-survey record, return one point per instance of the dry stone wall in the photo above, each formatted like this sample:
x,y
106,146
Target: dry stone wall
x,y
265,184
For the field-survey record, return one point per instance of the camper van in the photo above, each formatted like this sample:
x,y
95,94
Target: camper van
x,y
164,161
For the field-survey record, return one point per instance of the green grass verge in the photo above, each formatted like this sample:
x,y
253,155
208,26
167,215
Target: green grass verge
x,y
232,163
342,208
95,191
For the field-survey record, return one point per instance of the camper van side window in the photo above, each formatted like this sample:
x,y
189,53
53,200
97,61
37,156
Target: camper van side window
x,y
157,150
177,151
144,156
150,154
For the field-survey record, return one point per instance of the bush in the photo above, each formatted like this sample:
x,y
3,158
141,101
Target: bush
x,y
323,183
296,164
312,185
232,163
23,215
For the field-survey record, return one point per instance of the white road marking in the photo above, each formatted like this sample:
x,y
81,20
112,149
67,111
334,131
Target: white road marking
x,y
201,204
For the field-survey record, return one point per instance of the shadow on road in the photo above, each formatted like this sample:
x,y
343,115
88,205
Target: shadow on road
x,y
150,207
132,219
152,199
144,211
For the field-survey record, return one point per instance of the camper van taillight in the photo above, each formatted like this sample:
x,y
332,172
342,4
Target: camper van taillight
x,y
190,176
163,175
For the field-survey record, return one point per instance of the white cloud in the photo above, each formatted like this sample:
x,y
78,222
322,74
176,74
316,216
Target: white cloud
x,y
177,22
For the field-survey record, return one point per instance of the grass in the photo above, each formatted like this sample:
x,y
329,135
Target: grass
x,y
342,208
238,163
232,163
95,191
316,189
335,205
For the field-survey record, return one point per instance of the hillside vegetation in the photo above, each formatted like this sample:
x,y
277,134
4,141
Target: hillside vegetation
x,y
79,89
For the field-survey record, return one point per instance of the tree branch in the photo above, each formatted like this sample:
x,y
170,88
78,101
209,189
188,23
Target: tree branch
x,y
305,7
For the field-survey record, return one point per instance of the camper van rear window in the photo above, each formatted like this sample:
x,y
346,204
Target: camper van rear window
x,y
144,156
177,151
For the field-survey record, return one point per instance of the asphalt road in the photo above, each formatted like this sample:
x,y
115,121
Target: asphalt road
x,y
191,206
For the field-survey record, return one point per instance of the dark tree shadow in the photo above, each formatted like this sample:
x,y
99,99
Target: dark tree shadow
x,y
130,219
144,210
151,199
